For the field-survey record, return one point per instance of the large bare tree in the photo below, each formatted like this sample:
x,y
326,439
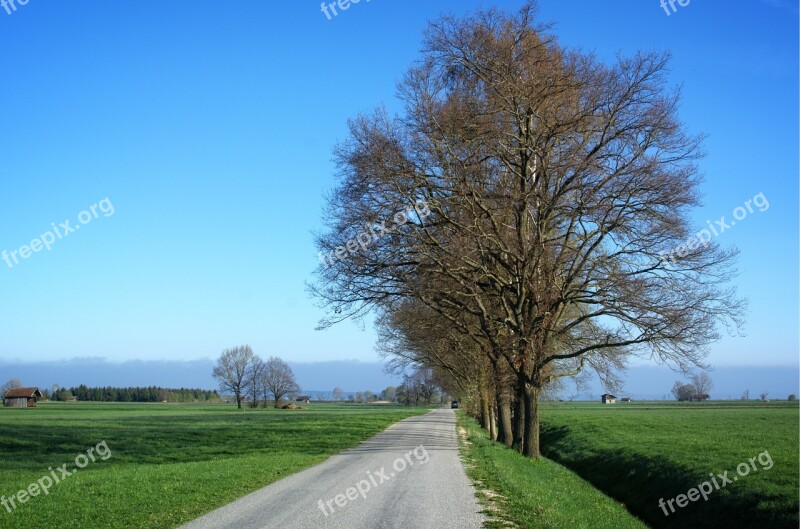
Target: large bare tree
x,y
232,370
551,186
278,379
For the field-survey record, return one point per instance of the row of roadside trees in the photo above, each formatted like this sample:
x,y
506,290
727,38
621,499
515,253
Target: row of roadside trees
x,y
529,216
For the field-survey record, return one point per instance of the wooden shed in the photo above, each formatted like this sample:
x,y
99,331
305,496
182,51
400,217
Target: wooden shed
x,y
21,397
608,398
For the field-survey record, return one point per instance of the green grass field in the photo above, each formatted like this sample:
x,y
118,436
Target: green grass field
x,y
537,494
641,452
638,453
168,463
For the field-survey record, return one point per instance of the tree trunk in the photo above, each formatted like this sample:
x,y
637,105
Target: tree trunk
x,y
519,416
504,435
277,400
484,409
492,422
531,437
238,401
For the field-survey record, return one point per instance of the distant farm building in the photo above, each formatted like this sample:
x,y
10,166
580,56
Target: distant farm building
x,y
303,398
21,397
626,399
699,397
608,398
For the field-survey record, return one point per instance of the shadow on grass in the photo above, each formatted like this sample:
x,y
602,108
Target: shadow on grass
x,y
639,482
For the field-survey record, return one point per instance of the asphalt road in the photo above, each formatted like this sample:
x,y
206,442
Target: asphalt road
x,y
410,477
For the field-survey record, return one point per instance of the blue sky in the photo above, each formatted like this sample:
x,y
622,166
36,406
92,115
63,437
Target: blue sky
x,y
209,130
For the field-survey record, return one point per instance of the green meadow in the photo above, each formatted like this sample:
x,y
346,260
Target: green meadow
x,y
169,463
640,453
605,466
637,454
535,494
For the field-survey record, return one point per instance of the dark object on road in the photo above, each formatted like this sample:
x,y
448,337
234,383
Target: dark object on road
x,y
454,404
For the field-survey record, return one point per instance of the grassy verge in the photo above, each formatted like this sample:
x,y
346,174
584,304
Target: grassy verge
x,y
168,463
640,454
536,494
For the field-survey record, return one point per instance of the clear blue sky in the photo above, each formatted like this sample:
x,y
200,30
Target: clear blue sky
x,y
209,128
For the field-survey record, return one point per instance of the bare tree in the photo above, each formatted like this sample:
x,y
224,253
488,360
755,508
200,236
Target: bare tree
x,y
702,382
255,373
13,383
278,379
764,396
337,395
547,189
426,383
408,392
231,371
746,395
683,392
389,394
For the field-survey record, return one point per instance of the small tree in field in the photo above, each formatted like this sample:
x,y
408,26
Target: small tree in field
x,y
254,374
683,392
278,379
14,383
232,371
702,382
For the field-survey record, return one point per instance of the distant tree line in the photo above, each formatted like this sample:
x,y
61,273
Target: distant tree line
x,y
419,387
135,394
389,394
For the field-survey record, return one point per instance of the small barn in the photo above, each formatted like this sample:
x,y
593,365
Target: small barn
x,y
303,398
608,398
625,399
699,397
21,397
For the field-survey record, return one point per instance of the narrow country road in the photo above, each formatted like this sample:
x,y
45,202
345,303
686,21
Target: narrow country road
x,y
409,476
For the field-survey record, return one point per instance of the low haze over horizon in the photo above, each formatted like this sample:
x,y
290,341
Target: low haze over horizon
x,y
191,166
